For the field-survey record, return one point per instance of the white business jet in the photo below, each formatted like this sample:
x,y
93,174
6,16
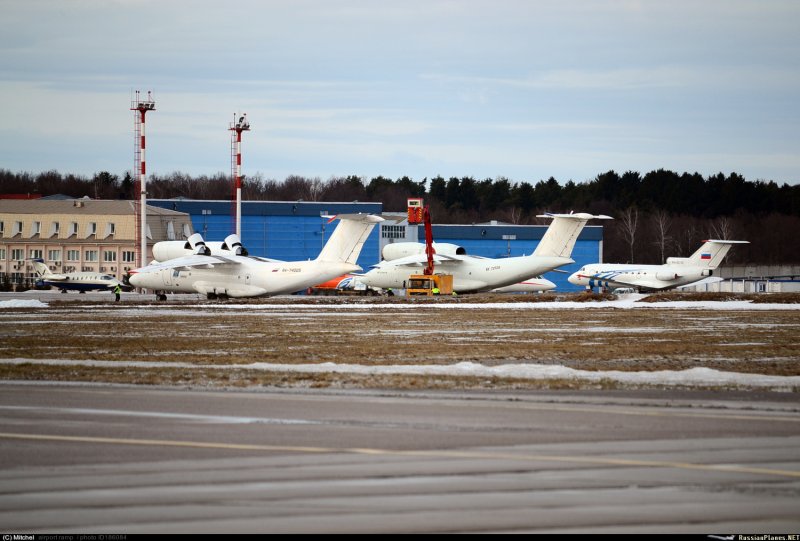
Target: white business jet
x,y
676,272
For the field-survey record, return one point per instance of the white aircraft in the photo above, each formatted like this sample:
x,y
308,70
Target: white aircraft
x,y
474,273
78,281
224,269
676,272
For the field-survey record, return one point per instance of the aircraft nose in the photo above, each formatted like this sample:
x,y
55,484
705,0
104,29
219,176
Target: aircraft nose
x,y
134,280
574,279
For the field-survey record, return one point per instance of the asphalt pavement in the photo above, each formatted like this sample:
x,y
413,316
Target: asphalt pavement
x,y
124,459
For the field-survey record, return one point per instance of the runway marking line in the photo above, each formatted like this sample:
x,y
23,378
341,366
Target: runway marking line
x,y
770,416
432,454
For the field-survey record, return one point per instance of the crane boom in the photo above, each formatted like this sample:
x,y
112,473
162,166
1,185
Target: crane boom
x,y
429,251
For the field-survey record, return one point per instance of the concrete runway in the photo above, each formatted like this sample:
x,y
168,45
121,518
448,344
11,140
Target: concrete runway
x,y
103,459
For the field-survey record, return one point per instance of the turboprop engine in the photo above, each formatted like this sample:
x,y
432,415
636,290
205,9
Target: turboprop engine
x,y
172,249
404,249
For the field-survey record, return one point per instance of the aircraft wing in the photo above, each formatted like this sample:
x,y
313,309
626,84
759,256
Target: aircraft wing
x,y
55,277
610,279
189,262
421,260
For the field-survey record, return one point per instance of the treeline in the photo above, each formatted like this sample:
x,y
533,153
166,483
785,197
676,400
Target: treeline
x,y
657,215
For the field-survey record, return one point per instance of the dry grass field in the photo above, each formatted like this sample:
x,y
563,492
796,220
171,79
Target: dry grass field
x,y
209,337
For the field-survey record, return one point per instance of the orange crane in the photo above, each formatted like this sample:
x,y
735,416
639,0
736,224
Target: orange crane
x,y
426,283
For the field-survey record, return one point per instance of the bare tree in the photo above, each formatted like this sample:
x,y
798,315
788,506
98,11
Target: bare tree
x,y
315,189
514,215
722,228
662,222
629,222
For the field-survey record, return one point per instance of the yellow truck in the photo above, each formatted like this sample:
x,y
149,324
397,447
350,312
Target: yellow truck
x,y
424,284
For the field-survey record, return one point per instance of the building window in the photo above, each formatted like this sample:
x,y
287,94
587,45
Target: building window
x,y
36,228
17,254
73,228
54,255
393,231
35,254
90,255
2,254
128,257
73,255
17,277
111,229
109,256
91,229
170,231
55,228
17,229
2,228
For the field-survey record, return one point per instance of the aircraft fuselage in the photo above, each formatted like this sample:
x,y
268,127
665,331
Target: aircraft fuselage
x,y
470,273
643,277
251,278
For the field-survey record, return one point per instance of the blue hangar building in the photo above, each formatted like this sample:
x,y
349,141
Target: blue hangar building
x,y
295,231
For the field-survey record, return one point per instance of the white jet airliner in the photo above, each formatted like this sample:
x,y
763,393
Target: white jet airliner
x,y
226,270
77,281
676,272
474,273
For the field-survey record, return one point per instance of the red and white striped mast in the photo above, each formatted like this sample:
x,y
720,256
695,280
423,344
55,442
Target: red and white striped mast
x,y
140,108
236,128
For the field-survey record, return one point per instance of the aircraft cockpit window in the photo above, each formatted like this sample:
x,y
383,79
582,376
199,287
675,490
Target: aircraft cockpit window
x,y
105,277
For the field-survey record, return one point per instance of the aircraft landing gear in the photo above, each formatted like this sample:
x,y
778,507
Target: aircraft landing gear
x,y
161,296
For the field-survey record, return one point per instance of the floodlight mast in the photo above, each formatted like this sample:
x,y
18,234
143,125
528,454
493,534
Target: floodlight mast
x,y
140,107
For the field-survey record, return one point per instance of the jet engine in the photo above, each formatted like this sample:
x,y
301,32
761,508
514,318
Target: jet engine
x,y
171,249
404,249
666,275
232,245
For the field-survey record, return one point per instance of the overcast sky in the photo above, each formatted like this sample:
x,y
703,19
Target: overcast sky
x,y
523,89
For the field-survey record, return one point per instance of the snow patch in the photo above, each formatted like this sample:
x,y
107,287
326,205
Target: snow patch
x,y
691,377
28,303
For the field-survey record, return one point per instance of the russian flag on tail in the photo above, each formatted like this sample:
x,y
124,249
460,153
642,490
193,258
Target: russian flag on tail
x,y
705,256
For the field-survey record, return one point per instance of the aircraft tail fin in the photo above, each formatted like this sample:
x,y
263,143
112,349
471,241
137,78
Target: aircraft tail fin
x,y
560,237
41,269
712,252
348,238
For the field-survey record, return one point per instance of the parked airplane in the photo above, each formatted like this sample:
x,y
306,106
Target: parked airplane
x,y
678,271
78,281
226,271
474,273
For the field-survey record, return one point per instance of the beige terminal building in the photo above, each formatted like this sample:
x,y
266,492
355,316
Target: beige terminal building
x,y
79,235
